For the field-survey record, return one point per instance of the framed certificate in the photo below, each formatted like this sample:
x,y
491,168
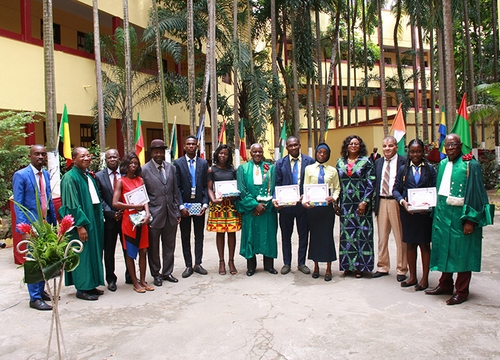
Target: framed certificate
x,y
138,196
226,188
287,195
422,198
315,194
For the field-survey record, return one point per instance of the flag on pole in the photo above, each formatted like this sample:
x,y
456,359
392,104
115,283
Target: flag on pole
x,y
461,126
139,141
442,134
222,134
399,130
65,137
243,147
201,137
283,140
174,149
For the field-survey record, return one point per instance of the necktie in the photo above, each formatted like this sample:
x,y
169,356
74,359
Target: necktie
x,y
43,195
115,179
162,174
295,171
387,176
192,170
416,175
321,176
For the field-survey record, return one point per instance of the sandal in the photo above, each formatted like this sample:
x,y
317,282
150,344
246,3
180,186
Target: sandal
x,y
139,290
147,287
222,267
232,268
358,274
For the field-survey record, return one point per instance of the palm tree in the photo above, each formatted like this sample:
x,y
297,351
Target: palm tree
x,y
383,94
448,84
50,86
129,127
98,77
191,68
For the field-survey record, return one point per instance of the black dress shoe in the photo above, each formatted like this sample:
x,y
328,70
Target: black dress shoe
x,y
96,291
438,290
328,277
401,278
188,272
170,278
86,295
112,286
455,300
315,275
271,271
39,304
378,274
128,281
45,296
406,284
157,281
200,270
250,272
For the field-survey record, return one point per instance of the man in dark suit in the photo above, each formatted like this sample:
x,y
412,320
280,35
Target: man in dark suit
x,y
106,180
161,184
375,155
193,193
290,171
387,210
28,184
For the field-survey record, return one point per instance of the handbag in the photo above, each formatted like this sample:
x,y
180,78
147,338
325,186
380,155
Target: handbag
x,y
138,218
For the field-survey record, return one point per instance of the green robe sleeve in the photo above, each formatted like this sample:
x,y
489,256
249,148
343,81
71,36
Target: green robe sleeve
x,y
477,207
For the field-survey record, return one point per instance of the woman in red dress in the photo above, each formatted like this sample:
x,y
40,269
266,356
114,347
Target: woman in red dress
x,y
135,238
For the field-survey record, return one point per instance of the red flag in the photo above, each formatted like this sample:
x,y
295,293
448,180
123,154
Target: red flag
x,y
222,134
243,147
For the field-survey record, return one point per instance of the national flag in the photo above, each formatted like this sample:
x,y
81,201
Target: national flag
x,y
399,130
201,137
283,140
243,147
222,134
139,142
65,137
174,149
442,134
461,126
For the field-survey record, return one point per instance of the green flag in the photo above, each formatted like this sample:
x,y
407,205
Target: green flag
x,y
461,126
283,139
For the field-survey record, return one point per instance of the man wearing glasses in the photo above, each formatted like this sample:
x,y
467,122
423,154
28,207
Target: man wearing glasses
x,y
461,212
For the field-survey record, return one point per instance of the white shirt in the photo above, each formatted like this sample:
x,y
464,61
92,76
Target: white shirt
x,y
112,178
393,163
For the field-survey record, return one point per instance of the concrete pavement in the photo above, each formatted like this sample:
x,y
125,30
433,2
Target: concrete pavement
x,y
266,316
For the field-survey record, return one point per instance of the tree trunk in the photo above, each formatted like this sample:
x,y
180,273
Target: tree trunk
x,y
295,104
433,86
274,69
50,85
98,78
236,94
213,74
191,68
449,69
129,143
382,69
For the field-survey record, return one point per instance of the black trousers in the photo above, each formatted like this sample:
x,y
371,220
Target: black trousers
x,y
199,227
252,263
110,236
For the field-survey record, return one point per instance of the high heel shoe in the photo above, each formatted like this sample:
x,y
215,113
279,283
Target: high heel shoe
x,y
222,267
232,268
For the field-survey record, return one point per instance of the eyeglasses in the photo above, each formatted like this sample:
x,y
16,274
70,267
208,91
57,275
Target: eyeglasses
x,y
452,145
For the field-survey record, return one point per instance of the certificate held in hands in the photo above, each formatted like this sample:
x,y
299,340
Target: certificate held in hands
x,y
315,194
287,195
138,196
421,198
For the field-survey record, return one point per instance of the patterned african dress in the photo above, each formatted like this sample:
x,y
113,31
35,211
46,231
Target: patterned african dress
x,y
223,217
356,232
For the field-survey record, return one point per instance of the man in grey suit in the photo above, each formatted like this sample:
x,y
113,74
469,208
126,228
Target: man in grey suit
x,y
193,191
106,180
161,184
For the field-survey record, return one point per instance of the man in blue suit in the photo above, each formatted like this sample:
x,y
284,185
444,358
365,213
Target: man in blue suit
x,y
290,171
28,183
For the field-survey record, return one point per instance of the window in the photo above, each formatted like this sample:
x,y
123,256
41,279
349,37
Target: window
x,y
80,40
152,134
86,135
56,30
388,60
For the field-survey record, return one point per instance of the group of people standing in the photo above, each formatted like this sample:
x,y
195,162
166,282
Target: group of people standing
x,y
181,193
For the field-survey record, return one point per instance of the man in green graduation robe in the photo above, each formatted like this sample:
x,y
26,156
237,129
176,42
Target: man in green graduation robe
x,y
461,212
259,220
79,197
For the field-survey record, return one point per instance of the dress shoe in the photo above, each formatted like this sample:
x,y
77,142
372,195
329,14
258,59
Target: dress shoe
x,y
112,286
96,291
188,272
200,270
250,272
419,287
304,269
455,300
438,290
45,296
157,281
315,275
406,284
401,278
39,304
86,295
328,277
271,271
285,269
170,278
378,274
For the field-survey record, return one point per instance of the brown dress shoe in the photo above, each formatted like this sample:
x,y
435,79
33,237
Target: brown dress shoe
x,y
438,290
455,300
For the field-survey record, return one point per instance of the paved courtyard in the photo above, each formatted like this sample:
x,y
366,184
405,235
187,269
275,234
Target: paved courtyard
x,y
262,317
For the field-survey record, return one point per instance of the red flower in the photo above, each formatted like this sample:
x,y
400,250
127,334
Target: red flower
x,y
467,157
66,224
91,173
24,228
266,166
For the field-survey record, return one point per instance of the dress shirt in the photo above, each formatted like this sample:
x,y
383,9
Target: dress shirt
x,y
37,177
331,177
111,176
393,167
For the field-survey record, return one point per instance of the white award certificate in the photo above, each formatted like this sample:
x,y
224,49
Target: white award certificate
x,y
287,195
421,198
226,188
138,196
315,194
